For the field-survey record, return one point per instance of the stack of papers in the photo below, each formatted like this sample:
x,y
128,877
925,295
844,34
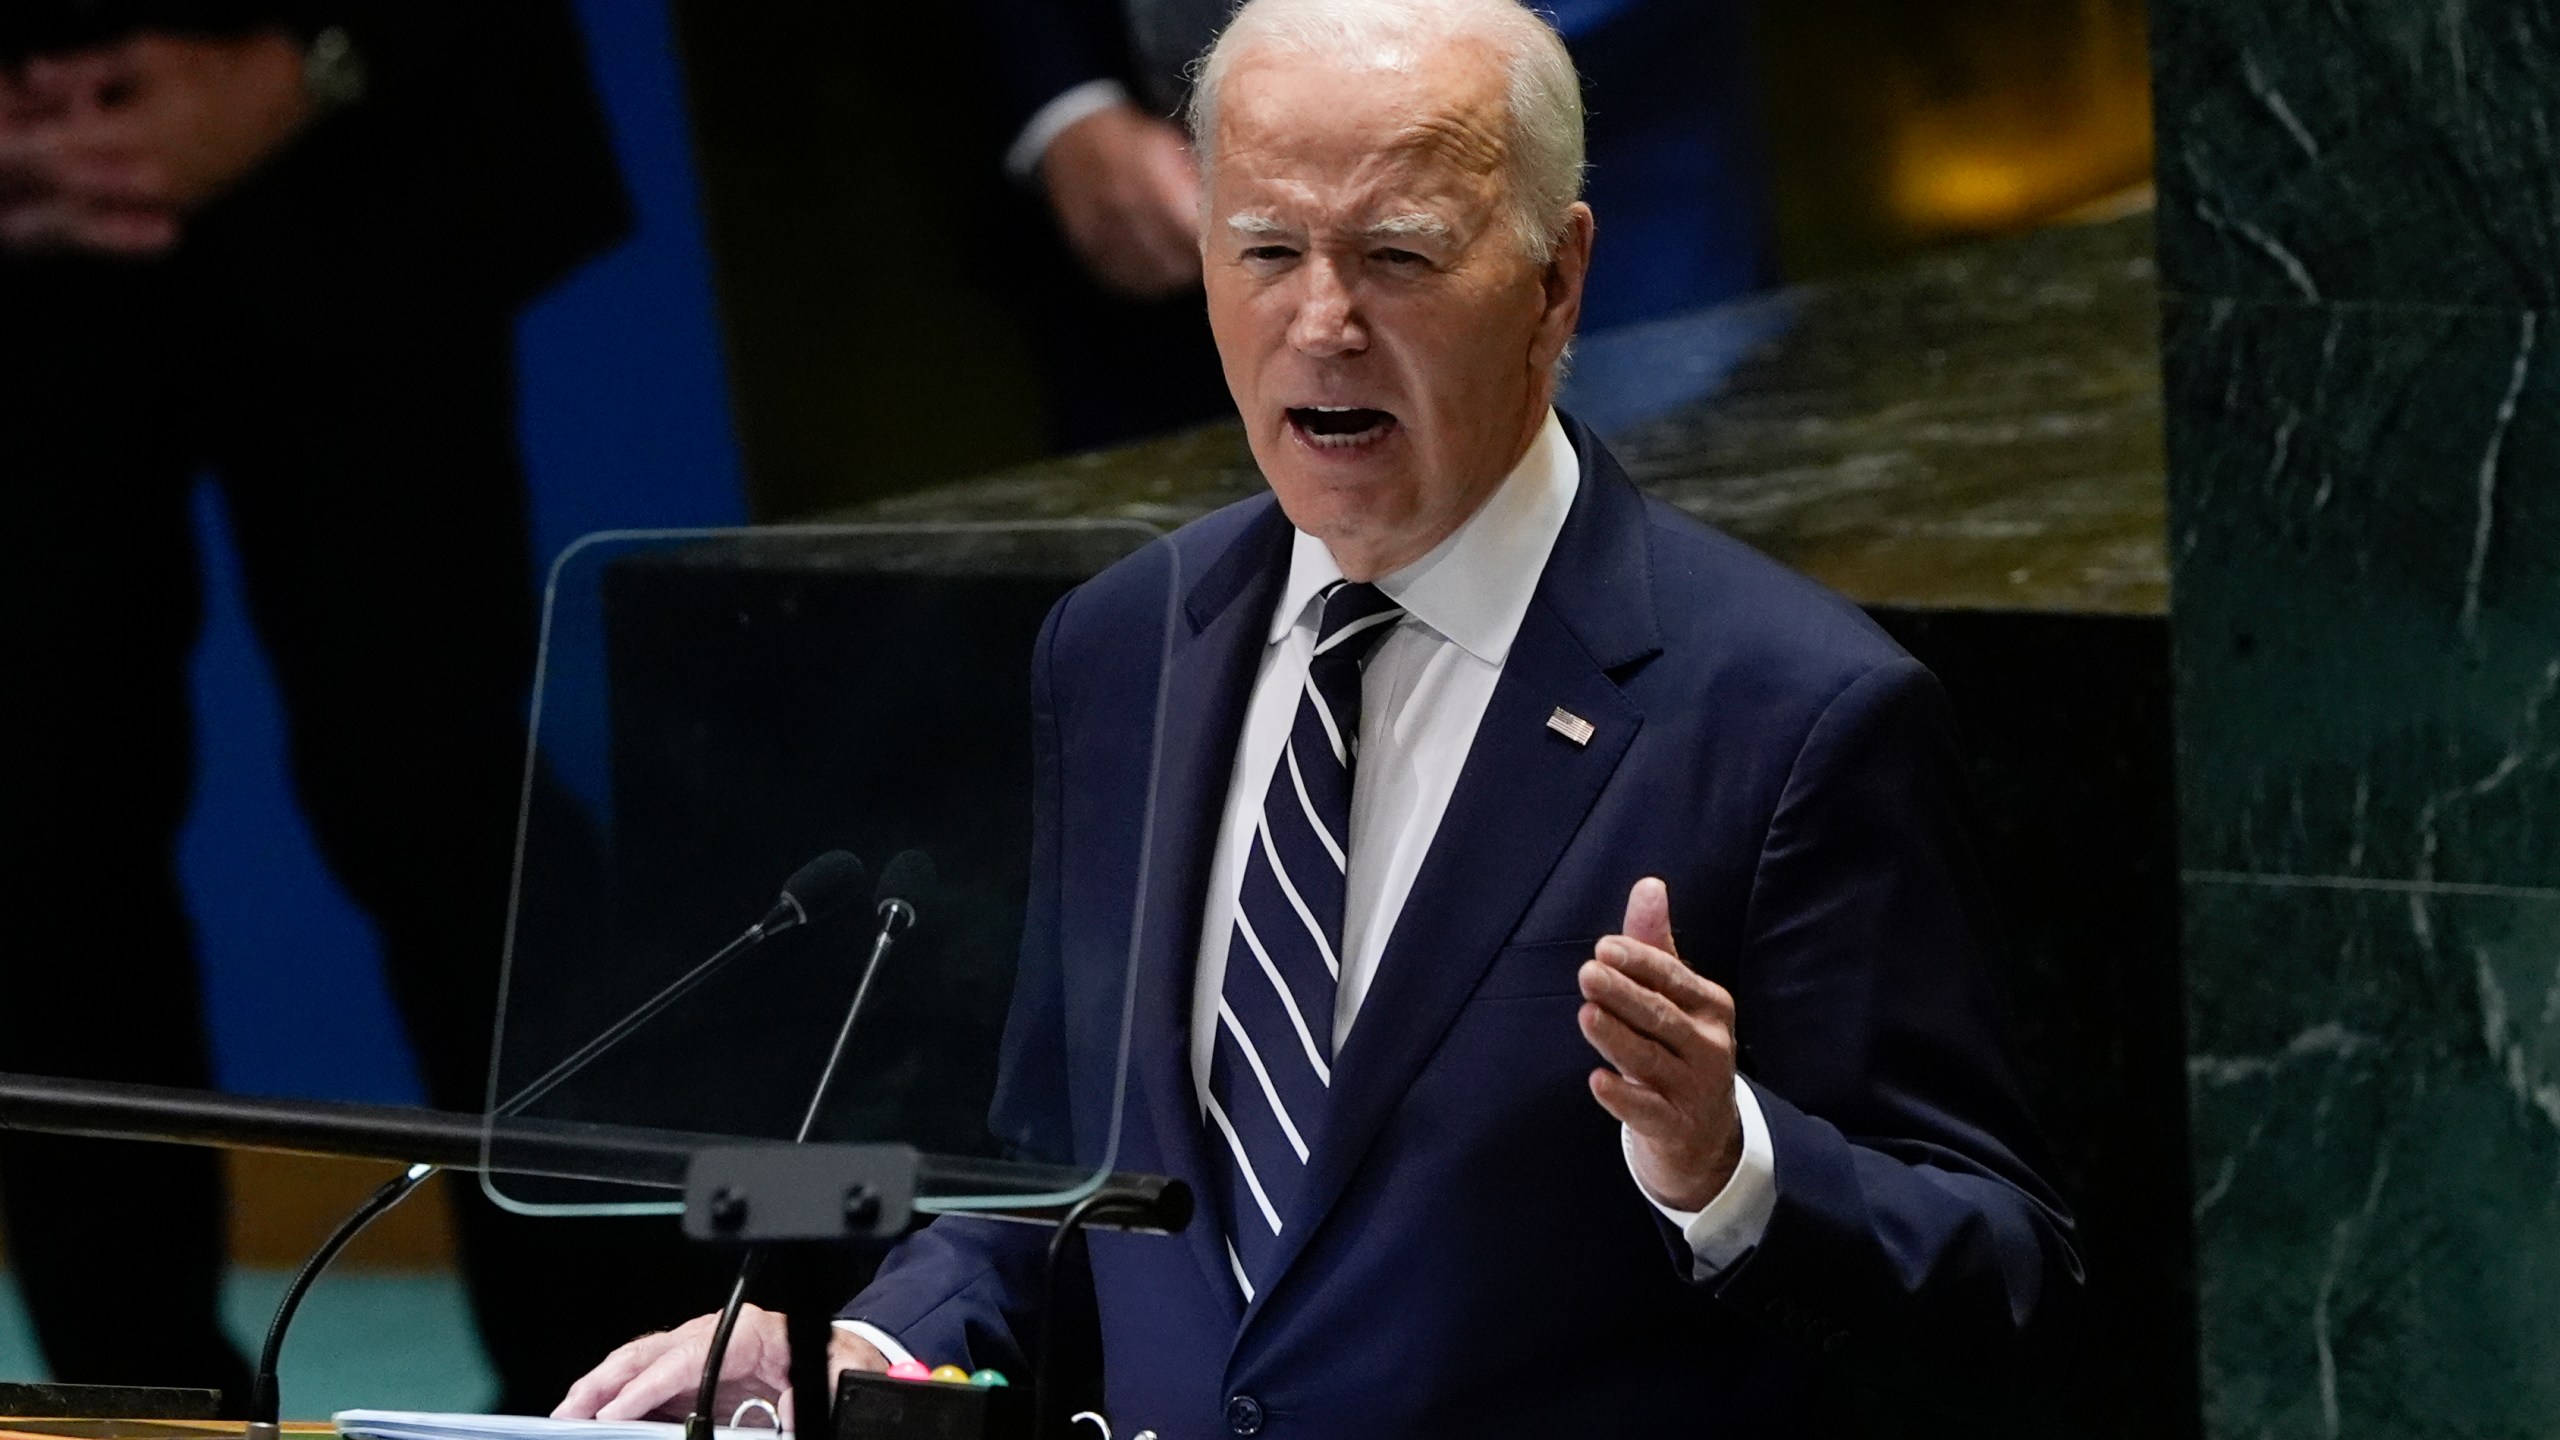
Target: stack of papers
x,y
428,1425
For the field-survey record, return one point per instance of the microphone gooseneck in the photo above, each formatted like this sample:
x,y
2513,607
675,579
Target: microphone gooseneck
x,y
908,879
815,891
266,1396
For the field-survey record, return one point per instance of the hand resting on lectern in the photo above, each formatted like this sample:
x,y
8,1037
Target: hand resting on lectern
x,y
655,1376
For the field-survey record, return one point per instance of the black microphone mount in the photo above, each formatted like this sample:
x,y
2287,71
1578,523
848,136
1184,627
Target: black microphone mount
x,y
816,890
907,880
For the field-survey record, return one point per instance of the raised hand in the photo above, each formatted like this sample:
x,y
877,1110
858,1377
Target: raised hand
x,y
1667,1033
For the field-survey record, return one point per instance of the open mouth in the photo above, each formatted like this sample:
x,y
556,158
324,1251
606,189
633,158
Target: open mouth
x,y
1340,427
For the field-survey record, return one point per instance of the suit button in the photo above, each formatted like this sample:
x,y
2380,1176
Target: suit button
x,y
1244,1415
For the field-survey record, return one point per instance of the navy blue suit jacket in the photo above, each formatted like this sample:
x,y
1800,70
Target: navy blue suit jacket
x,y
1471,1257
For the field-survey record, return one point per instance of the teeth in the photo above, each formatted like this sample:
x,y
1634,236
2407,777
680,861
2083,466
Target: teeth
x,y
1374,428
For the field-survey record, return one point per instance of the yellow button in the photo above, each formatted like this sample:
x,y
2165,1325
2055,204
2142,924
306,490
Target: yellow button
x,y
951,1373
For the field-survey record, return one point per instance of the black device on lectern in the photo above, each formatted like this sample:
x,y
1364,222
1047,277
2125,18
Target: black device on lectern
x,y
869,1407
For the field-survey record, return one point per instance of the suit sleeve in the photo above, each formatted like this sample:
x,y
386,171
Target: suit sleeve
x,y
963,1292
1913,1238
1038,50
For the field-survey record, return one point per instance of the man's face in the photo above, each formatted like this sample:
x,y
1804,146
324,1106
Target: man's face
x,y
1390,344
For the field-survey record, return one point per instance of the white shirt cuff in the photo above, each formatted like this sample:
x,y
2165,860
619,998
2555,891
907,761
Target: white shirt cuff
x,y
1022,157
881,1340
1738,1216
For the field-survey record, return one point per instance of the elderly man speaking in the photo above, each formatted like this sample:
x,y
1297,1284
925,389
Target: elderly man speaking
x,y
1571,999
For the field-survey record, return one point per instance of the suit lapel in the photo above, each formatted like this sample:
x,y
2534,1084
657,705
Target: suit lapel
x,y
1225,619
1520,797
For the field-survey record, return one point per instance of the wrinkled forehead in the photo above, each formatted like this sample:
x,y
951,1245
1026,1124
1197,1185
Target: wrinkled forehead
x,y
1431,116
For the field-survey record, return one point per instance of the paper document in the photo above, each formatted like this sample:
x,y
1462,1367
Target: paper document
x,y
429,1425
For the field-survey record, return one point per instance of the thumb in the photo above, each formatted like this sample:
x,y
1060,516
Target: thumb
x,y
1649,915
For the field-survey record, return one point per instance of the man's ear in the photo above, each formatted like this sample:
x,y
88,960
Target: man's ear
x,y
1562,281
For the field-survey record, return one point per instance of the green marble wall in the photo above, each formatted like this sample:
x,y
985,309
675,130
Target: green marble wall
x,y
2360,261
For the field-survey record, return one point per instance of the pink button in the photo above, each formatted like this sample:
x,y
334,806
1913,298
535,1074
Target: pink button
x,y
909,1370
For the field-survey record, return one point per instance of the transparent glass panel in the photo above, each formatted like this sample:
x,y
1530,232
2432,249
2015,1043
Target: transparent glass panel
x,y
714,709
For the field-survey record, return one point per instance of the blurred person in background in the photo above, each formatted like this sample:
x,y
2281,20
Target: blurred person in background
x,y
285,243
1086,87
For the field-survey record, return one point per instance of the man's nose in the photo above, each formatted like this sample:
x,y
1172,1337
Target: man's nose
x,y
1328,320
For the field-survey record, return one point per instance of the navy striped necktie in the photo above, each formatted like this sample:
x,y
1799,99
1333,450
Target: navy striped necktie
x,y
1272,1062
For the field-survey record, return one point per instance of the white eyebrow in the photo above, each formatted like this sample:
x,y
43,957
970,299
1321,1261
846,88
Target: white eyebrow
x,y
1414,226
1255,225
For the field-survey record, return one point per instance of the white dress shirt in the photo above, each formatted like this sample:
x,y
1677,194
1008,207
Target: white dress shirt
x,y
1422,694
1031,145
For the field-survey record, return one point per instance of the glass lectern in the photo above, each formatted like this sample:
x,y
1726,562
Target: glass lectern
x,y
716,709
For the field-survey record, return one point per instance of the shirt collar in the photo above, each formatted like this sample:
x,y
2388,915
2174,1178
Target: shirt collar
x,y
1474,587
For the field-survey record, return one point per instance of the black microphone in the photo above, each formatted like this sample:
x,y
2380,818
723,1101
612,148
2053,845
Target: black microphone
x,y
814,891
903,887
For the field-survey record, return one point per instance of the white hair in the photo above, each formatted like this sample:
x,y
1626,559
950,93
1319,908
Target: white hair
x,y
1544,154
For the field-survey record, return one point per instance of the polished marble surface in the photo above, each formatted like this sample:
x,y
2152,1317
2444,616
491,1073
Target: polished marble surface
x,y
2360,150
1975,429
2360,242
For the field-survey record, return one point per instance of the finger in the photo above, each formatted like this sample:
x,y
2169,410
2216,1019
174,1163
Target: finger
x,y
607,1379
124,229
1634,1055
29,147
78,81
674,1373
47,223
1649,915
1665,974
49,81
1635,1106
757,1362
1645,1012
101,139
117,182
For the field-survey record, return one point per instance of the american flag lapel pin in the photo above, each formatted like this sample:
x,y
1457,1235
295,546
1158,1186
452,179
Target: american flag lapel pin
x,y
1571,726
